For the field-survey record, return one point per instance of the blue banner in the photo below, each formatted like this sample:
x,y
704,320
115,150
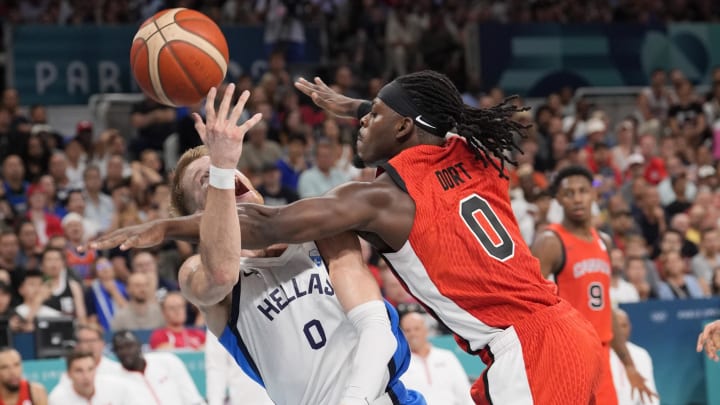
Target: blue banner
x,y
536,59
668,330
66,65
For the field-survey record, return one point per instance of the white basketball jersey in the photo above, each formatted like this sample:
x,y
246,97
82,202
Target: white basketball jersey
x,y
290,330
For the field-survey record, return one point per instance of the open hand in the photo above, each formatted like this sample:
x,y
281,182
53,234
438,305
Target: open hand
x,y
327,98
144,235
221,134
709,339
637,382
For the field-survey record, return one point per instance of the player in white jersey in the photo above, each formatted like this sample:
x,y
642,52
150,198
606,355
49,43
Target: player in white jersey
x,y
282,320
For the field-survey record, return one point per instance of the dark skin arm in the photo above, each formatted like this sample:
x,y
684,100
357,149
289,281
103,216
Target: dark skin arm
x,y
619,345
378,207
548,249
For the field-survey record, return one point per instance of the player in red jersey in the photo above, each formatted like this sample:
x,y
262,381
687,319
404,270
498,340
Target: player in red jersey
x,y
441,216
14,390
577,256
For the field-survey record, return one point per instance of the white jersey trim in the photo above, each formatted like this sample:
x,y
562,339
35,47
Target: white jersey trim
x,y
412,272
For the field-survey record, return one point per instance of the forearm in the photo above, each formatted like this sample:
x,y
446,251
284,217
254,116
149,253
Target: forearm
x,y
619,344
220,237
359,294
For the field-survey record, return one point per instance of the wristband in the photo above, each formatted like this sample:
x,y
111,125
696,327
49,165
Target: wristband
x,y
223,179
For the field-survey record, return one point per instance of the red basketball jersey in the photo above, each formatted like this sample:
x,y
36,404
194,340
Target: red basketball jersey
x,y
24,396
584,279
465,259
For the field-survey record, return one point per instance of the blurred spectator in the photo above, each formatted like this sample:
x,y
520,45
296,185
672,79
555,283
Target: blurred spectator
x,y
90,337
654,101
125,209
643,363
650,216
392,290
654,166
54,203
158,377
401,37
324,176
681,224
142,311
14,389
626,138
36,156
11,143
678,284
144,262
576,125
76,162
685,117
115,174
76,203
273,191
9,250
57,168
621,291
258,150
175,335
46,224
65,294
435,373
284,28
79,262
715,285
707,260
681,201
636,273
11,101
99,207
6,296
38,114
86,386
675,169
28,256
106,295
226,383
13,174
295,161
154,122
33,293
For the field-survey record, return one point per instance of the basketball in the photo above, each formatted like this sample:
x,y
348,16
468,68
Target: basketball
x,y
177,55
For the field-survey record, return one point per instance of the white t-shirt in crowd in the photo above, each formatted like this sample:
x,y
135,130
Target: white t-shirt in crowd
x,y
439,377
165,381
108,391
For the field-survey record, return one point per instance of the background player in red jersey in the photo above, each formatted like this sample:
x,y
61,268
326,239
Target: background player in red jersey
x,y
14,390
576,254
441,216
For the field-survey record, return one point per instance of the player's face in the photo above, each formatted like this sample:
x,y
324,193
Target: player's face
x,y
576,196
195,183
376,140
10,370
82,375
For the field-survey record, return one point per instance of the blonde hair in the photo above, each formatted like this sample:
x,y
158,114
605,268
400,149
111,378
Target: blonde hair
x,y
178,203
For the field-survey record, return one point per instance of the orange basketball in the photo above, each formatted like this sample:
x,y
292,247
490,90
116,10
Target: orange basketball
x,y
177,55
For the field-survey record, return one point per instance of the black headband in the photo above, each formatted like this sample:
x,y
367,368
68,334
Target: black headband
x,y
397,98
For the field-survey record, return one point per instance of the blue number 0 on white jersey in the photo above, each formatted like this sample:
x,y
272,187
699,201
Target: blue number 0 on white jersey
x,y
288,332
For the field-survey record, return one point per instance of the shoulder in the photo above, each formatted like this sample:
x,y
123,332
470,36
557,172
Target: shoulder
x,y
607,240
547,239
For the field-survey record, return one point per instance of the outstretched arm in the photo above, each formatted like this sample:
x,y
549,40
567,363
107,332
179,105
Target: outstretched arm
x,y
213,278
359,294
374,207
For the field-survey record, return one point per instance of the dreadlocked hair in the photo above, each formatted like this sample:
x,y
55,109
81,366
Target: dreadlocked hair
x,y
490,132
